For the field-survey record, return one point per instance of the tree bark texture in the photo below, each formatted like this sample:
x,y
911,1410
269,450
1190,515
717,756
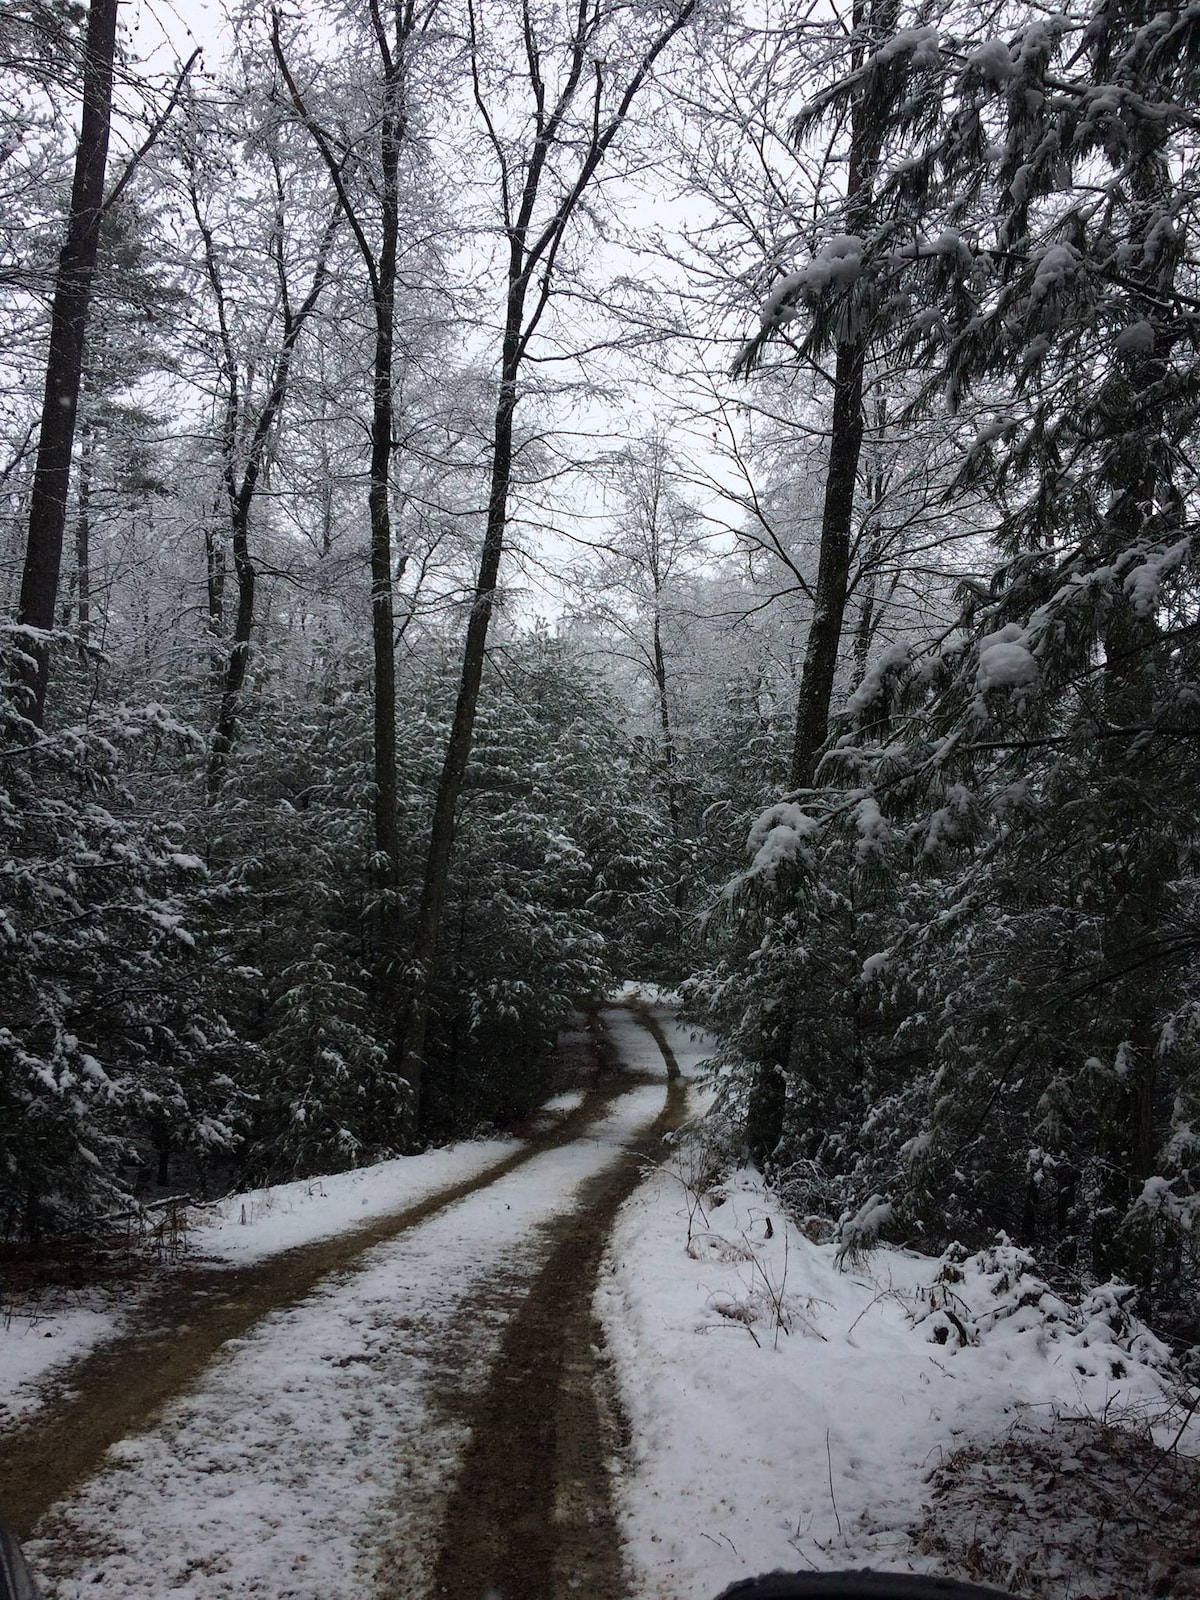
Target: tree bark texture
x,y
64,364
1135,903
387,825
83,535
458,748
874,20
833,566
215,574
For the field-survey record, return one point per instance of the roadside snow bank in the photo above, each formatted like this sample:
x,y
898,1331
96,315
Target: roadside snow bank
x,y
262,1222
41,1335
785,1413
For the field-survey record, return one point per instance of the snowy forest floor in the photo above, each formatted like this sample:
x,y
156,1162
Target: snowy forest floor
x,y
543,1366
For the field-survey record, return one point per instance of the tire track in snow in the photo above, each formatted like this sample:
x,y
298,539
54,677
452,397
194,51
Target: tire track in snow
x,y
276,1475
123,1385
531,1516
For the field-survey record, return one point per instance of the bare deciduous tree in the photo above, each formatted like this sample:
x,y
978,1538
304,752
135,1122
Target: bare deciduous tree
x,y
378,242
246,429
577,103
68,331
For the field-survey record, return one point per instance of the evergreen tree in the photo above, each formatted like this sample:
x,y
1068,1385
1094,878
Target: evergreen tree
x,y
1034,767
114,1047
561,884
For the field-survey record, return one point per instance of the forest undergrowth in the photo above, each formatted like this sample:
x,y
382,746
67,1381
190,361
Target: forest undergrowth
x,y
1077,1478
498,501
1081,1502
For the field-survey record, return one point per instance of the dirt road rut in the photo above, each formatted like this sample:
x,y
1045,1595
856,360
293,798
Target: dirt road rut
x,y
527,1513
531,1515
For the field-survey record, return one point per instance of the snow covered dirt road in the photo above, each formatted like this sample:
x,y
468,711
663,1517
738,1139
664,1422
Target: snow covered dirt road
x,y
414,1408
530,1514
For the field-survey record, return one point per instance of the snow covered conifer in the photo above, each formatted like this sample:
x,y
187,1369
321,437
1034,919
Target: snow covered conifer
x,y
113,1048
1032,250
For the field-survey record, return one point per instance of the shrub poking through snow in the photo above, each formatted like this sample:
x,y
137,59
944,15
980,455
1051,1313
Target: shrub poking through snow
x,y
998,1295
859,1233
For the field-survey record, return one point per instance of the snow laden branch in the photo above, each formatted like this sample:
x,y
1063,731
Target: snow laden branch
x,y
549,145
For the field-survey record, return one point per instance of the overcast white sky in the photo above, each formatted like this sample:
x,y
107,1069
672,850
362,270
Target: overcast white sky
x,y
166,31
163,33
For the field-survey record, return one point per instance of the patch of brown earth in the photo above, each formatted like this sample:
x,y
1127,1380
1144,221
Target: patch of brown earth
x,y
531,1515
1075,1510
121,1387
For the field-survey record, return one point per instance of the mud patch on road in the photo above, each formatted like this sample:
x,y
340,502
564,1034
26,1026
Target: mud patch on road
x,y
122,1387
531,1516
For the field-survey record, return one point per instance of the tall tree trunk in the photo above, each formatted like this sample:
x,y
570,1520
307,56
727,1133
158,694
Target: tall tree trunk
x,y
64,364
215,573
1135,887
833,566
874,20
653,511
387,825
670,776
1145,503
83,534
664,721
458,748
238,660
380,267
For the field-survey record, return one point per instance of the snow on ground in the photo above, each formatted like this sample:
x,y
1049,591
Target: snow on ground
x,y
570,1101
41,1335
691,1046
630,1040
249,1227
317,1439
786,1413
